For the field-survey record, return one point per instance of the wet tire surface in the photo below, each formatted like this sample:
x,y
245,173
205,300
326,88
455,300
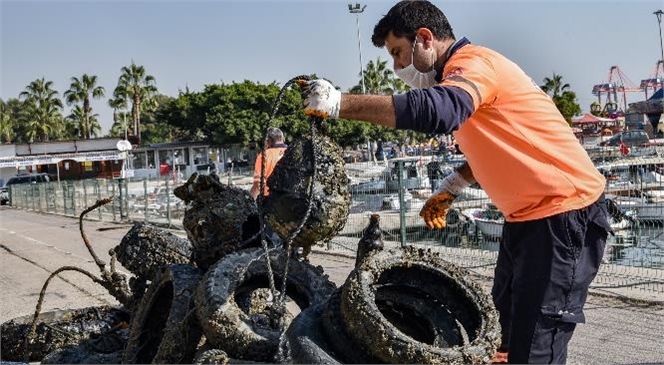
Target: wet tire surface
x,y
229,327
471,317
164,328
55,330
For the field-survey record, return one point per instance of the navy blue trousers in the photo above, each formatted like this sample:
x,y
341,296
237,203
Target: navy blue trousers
x,y
541,281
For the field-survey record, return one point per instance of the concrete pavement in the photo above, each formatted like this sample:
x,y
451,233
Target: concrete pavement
x,y
619,330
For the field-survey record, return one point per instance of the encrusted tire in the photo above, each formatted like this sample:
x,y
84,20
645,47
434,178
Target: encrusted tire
x,y
340,345
427,274
164,329
56,329
287,203
145,249
227,326
305,341
219,219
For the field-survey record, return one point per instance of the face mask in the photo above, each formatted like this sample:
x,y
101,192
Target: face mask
x,y
415,78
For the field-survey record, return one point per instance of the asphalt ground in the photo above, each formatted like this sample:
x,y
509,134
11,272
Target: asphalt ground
x,y
620,329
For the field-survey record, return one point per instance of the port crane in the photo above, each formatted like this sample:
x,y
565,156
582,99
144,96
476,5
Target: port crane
x,y
616,90
656,79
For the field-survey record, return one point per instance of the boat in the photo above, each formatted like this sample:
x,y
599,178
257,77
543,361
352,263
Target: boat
x,y
489,221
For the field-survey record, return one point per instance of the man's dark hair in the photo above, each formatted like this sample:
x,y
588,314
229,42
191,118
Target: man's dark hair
x,y
407,16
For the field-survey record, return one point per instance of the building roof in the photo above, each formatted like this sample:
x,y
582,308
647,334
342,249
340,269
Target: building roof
x,y
18,161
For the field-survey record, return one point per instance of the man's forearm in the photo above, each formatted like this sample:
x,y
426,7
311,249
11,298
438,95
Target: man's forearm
x,y
376,109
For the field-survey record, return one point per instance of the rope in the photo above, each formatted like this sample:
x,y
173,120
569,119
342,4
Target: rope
x,y
278,309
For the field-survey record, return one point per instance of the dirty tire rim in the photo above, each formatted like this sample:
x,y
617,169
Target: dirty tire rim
x,y
442,280
164,329
227,326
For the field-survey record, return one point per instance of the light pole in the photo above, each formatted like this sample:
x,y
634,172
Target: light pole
x,y
357,10
659,13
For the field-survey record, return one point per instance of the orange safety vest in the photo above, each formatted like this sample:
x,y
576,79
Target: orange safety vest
x,y
274,154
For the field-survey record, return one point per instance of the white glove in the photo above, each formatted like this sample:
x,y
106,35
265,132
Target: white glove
x,y
322,99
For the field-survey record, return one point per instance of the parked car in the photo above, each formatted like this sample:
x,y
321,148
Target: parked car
x,y
4,193
637,138
23,179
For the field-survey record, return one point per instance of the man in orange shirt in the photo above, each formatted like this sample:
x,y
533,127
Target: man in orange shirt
x,y
521,151
274,151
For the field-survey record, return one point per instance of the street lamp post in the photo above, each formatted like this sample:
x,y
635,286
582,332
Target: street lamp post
x,y
659,13
357,9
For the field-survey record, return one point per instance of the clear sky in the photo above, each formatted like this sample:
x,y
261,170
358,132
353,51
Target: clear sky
x,y
193,43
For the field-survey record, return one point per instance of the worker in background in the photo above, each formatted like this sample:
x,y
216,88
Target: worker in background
x,y
275,148
522,152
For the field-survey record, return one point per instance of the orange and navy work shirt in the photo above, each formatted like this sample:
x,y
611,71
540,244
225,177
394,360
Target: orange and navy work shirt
x,y
274,154
518,145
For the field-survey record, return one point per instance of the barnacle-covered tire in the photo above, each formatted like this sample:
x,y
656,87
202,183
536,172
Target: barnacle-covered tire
x,y
436,278
164,329
305,341
288,202
55,330
226,325
145,249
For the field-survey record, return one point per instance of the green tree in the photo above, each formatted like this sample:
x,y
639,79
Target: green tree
x,y
6,123
121,121
81,91
138,88
562,96
86,124
567,105
554,85
42,107
379,79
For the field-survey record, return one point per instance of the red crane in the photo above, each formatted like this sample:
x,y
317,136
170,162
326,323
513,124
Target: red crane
x,y
656,79
617,87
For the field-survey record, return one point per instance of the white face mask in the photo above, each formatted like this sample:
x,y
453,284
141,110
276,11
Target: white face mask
x,y
414,77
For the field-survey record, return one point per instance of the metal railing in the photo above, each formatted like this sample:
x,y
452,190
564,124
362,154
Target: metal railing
x,y
634,256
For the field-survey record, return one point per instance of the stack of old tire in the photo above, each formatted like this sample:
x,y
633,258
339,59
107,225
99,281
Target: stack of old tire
x,y
403,305
219,306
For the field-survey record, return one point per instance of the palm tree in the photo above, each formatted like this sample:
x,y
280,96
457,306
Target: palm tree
x,y
120,126
378,79
42,110
554,85
86,124
138,87
6,123
118,104
81,90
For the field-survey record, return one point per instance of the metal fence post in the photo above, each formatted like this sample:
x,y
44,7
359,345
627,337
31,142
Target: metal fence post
x,y
113,193
85,195
168,204
402,205
98,188
145,199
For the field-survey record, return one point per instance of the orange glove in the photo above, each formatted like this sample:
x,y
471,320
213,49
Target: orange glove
x,y
435,209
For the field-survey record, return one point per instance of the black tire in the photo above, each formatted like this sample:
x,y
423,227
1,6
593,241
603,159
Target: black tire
x,y
227,326
439,280
164,329
305,341
55,330
340,345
